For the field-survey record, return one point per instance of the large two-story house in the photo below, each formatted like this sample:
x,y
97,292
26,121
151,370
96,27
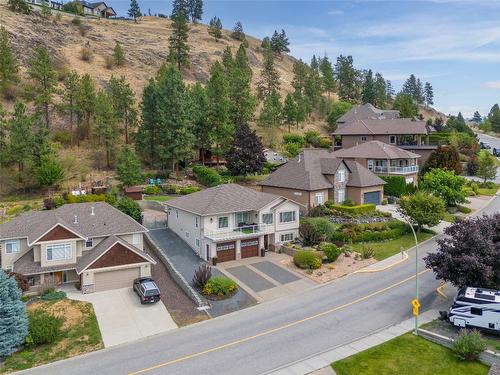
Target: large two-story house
x,y
91,243
366,123
230,222
316,175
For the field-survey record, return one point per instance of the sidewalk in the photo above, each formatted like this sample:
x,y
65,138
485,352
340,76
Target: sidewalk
x,y
320,364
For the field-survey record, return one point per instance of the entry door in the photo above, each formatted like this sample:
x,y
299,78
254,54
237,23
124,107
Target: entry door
x,y
58,277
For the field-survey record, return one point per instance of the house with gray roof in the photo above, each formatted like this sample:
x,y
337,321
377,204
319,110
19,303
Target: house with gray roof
x,y
230,221
92,244
317,175
98,9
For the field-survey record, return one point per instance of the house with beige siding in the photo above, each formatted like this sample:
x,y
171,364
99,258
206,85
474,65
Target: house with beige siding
x,y
230,222
317,175
92,244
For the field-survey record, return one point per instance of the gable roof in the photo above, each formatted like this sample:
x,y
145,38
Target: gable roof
x,y
366,111
223,199
105,221
375,150
361,177
382,126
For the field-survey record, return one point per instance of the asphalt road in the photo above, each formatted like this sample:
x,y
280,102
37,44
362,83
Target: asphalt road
x,y
270,335
494,143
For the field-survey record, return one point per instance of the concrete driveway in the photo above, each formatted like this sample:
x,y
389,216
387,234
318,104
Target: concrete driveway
x,y
123,319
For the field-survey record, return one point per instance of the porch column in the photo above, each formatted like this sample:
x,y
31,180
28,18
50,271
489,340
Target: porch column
x,y
238,249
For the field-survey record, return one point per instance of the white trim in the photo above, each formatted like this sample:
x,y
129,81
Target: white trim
x,y
17,242
117,268
60,246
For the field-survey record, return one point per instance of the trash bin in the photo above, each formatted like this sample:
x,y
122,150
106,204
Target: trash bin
x,y
262,252
214,261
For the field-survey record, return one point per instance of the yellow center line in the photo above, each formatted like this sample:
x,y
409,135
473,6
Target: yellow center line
x,y
274,330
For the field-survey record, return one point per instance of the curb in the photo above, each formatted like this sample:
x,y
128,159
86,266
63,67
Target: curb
x,y
369,270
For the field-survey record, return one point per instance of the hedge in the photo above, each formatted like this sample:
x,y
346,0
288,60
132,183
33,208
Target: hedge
x,y
395,185
371,232
324,228
309,260
207,176
294,138
360,209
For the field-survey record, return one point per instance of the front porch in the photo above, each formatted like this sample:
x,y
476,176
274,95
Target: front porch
x,y
393,166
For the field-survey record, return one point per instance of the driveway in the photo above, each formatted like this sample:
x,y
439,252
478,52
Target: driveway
x,y
122,318
186,261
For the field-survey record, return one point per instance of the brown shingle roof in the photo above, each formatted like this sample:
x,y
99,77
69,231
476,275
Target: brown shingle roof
x,y
386,126
222,199
27,266
105,221
375,150
366,111
360,176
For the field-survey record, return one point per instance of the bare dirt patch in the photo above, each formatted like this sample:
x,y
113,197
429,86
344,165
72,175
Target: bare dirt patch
x,y
69,310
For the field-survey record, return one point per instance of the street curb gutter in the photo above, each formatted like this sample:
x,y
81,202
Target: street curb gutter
x,y
373,270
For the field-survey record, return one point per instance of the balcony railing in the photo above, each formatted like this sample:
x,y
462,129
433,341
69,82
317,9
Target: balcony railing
x,y
396,170
239,232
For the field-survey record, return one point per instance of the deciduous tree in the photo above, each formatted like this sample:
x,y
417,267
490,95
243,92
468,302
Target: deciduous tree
x,y
406,105
246,154
486,168
445,157
422,208
445,184
336,111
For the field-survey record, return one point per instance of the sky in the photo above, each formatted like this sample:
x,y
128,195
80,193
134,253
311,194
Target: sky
x,y
454,44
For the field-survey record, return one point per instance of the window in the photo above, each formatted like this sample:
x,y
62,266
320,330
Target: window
x,y
363,138
197,242
136,238
392,139
196,222
89,243
267,218
286,237
223,222
394,163
341,175
9,268
319,198
341,196
12,246
370,164
287,216
243,218
59,251
31,280
476,311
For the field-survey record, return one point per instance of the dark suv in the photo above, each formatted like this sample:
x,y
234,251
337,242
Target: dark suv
x,y
147,290
496,152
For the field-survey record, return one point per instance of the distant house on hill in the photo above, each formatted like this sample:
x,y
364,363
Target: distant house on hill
x,y
57,5
99,9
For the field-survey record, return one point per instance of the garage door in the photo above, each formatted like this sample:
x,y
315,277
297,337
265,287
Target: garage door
x,y
372,197
250,248
116,279
226,251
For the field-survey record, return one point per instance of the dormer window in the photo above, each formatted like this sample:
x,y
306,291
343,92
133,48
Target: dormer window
x,y
363,138
392,139
89,243
341,175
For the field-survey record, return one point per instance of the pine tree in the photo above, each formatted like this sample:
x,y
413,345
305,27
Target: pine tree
x,y
347,79
368,94
119,55
380,91
495,121
8,63
123,100
85,102
406,106
238,32
477,118
128,167
227,61
42,143
202,131
279,42
270,116
241,99
195,9
105,131
327,76
20,138
428,94
389,90
68,104
215,28
493,109
148,135
13,316
134,11
41,71
290,111
246,154
178,49
218,115
3,136
180,8
269,77
312,88
300,72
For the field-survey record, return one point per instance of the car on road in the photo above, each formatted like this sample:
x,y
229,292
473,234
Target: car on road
x,y
496,152
484,145
147,290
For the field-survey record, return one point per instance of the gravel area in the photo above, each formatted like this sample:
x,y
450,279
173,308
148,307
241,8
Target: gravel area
x,y
179,305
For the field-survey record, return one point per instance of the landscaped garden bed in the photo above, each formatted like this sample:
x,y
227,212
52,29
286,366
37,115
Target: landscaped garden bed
x,y
213,287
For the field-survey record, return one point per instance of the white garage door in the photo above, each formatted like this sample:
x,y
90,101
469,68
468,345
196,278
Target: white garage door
x,y
115,279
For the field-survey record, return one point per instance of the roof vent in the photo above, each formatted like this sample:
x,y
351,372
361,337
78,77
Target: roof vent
x,y
92,213
75,220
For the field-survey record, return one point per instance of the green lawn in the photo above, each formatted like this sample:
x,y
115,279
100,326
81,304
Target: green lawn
x,y
489,192
79,334
407,355
387,248
450,218
159,198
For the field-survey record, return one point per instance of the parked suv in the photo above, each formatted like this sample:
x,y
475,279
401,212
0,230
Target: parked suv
x,y
484,145
496,152
147,290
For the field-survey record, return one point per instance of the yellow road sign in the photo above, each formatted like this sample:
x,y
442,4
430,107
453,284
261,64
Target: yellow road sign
x,y
415,305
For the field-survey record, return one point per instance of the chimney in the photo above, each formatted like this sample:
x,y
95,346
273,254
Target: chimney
x,y
92,213
75,221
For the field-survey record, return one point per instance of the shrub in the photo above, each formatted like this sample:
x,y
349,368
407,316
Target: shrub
x,y
109,62
292,149
318,211
76,21
353,210
475,187
395,185
367,252
152,190
53,295
43,328
312,138
464,210
330,250
348,202
21,280
219,286
294,138
469,344
63,137
19,6
371,232
14,210
188,190
86,54
207,176
309,235
131,208
202,275
307,259
170,189
325,142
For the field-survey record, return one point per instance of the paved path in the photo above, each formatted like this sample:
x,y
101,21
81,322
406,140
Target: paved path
x,y
274,334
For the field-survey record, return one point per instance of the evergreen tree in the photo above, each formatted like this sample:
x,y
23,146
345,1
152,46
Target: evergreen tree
x,y
493,109
347,79
241,100
238,32
246,154
195,10
178,49
269,77
313,89
128,167
41,71
20,138
227,61
42,143
50,172
123,100
134,11
69,93
8,63
148,134
406,106
419,96
119,55
180,8
85,102
279,42
410,87
202,132
337,110
19,6
266,43
486,169
290,111
380,91
105,131
270,116
215,28
428,94
495,121
327,76
300,73
3,136
368,94
218,115
389,91
477,118
13,316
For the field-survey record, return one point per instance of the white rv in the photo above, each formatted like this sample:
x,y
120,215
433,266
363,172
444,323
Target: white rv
x,y
476,308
